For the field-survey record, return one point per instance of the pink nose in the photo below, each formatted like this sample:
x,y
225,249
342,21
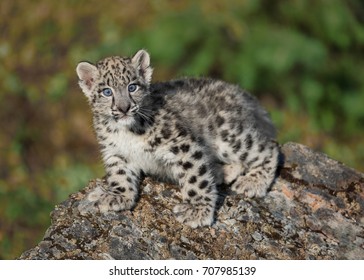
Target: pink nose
x,y
124,108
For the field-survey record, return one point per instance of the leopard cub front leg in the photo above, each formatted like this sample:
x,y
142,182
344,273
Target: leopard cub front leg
x,y
121,190
197,183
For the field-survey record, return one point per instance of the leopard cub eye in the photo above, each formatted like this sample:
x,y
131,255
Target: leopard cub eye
x,y
107,92
132,87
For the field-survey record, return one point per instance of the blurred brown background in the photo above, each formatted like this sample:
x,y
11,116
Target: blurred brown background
x,y
303,59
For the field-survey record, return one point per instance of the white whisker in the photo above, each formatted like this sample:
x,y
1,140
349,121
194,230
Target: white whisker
x,y
145,115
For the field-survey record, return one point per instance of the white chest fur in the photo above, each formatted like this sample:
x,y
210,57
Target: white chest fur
x,y
134,149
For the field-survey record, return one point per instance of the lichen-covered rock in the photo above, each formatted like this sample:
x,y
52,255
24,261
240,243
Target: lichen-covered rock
x,y
313,211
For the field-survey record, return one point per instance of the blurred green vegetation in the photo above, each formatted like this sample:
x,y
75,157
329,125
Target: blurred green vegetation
x,y
303,59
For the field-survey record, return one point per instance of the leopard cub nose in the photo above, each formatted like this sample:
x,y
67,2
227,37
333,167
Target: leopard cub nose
x,y
124,108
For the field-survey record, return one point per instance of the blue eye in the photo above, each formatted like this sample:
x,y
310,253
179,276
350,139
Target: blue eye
x,y
132,87
107,92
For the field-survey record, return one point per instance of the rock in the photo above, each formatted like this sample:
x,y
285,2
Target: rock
x,y
314,210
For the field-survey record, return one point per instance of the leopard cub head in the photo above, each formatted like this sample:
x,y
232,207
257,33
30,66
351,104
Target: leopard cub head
x,y
115,86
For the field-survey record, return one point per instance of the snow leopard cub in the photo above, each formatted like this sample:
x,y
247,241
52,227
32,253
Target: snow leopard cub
x,y
196,132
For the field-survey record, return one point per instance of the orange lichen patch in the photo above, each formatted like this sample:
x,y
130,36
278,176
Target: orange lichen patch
x,y
315,201
287,192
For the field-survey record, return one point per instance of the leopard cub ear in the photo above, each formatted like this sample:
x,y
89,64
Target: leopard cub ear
x,y
87,73
141,61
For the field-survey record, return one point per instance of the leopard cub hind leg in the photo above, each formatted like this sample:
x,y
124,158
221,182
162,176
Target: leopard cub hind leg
x,y
259,169
250,170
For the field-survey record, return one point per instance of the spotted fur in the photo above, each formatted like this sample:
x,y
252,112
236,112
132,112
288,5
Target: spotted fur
x,y
196,132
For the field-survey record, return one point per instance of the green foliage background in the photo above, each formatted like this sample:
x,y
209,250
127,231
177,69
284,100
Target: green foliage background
x,y
303,59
